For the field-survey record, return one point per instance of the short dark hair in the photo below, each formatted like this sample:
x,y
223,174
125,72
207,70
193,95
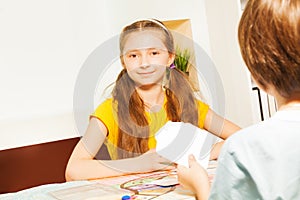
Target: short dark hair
x,y
269,37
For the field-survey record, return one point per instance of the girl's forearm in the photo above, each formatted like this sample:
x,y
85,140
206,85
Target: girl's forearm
x,y
90,169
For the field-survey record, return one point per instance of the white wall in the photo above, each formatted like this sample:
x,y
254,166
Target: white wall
x,y
43,45
125,12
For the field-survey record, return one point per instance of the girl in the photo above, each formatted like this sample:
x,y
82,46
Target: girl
x,y
147,94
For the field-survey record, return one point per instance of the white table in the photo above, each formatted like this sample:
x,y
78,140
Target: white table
x,y
80,189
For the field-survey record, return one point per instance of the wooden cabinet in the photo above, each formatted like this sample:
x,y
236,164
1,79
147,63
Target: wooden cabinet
x,y
182,32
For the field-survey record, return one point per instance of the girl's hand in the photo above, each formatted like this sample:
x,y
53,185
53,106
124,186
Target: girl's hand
x,y
194,178
152,161
147,162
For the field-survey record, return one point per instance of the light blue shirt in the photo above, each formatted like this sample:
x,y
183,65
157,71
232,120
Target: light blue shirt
x,y
261,161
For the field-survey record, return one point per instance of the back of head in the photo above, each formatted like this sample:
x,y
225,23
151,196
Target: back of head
x,y
269,37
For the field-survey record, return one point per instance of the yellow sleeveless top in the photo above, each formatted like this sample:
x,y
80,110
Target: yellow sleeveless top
x,y
106,113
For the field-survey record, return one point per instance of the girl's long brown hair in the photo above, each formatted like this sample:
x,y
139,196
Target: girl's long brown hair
x,y
133,132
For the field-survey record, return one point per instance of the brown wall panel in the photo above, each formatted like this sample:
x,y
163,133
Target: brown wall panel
x,y
34,165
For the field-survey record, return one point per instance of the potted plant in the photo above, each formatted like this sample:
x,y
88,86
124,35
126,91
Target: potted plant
x,y
182,58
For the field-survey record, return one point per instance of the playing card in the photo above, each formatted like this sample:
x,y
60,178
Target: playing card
x,y
177,140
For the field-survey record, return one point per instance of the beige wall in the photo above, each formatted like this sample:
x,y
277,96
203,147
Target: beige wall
x,y
222,20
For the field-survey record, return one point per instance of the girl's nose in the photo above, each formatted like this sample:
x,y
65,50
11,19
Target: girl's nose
x,y
144,61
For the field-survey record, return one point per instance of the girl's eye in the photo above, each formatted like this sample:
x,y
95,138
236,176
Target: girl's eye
x,y
132,56
154,53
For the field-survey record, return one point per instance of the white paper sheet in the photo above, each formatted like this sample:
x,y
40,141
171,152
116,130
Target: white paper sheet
x,y
177,140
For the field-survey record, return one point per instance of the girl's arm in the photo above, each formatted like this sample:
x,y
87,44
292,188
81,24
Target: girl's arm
x,y
221,127
82,166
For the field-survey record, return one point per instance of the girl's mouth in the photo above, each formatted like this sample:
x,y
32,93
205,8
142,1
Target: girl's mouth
x,y
145,73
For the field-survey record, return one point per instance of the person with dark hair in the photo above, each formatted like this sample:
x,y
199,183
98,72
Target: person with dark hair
x,y
262,161
148,93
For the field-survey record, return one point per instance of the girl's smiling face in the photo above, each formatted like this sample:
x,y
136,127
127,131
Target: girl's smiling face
x,y
146,57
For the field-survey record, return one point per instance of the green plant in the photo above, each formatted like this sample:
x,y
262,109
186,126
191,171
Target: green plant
x,y
182,58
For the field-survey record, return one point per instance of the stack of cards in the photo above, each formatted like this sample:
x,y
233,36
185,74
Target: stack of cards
x,y
177,140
